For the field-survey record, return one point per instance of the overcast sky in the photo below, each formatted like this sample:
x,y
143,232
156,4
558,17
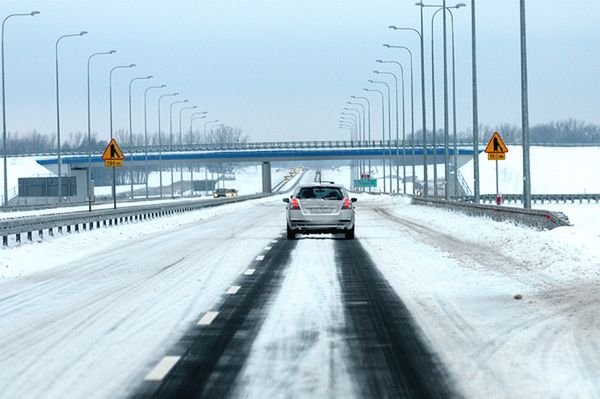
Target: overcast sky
x,y
283,70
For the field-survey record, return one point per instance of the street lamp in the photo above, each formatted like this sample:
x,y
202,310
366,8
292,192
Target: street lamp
x,y
195,116
171,142
82,33
353,173
412,111
89,127
475,110
131,126
361,141
423,107
353,120
389,122
146,131
403,124
446,154
369,128
114,173
206,123
382,129
4,145
358,122
160,142
181,140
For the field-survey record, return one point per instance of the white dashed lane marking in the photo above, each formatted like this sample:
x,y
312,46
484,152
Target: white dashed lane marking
x,y
274,241
233,289
207,318
249,272
162,368
268,248
260,257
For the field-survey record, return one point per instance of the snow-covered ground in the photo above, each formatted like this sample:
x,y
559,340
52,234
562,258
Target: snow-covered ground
x,y
105,304
554,170
458,275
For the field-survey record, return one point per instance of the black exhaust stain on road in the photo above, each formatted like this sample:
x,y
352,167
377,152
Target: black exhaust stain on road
x,y
388,357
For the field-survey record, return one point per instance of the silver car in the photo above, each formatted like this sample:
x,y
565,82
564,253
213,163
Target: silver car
x,y
320,208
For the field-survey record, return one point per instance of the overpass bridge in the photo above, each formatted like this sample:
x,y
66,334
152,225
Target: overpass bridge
x,y
75,162
264,153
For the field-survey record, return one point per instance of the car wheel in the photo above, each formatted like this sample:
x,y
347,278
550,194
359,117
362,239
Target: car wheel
x,y
290,234
349,234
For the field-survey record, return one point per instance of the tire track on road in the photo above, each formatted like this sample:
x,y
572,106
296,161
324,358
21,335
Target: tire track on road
x,y
389,356
213,353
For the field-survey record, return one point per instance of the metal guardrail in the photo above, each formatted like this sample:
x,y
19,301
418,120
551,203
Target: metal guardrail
x,y
104,217
540,219
267,145
542,198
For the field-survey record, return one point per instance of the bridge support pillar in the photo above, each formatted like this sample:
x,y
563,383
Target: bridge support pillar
x,y
266,177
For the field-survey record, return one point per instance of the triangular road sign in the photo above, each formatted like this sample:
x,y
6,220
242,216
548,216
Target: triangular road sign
x,y
113,152
496,145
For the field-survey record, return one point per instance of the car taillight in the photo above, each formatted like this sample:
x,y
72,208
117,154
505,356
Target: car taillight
x,y
295,204
347,204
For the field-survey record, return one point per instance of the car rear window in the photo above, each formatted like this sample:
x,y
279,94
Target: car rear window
x,y
326,193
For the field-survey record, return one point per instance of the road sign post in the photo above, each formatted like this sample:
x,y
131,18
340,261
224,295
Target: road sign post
x,y
496,150
113,158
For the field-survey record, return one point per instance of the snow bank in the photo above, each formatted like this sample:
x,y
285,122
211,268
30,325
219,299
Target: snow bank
x,y
554,170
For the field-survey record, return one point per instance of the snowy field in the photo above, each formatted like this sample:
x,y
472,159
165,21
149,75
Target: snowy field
x,y
554,170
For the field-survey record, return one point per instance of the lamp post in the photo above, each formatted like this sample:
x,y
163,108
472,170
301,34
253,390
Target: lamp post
x,y
205,124
361,162
382,130
369,129
475,110
131,127
160,141
146,131
171,143
193,117
349,120
389,124
412,111
181,140
114,173
525,110
403,126
89,128
4,145
423,107
446,154
358,122
344,125
58,110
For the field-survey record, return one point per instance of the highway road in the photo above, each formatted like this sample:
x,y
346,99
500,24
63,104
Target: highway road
x,y
225,306
239,310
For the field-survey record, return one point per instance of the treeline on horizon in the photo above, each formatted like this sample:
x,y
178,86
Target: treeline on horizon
x,y
36,142
569,131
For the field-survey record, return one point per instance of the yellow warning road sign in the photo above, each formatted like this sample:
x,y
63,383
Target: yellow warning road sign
x,y
113,156
496,149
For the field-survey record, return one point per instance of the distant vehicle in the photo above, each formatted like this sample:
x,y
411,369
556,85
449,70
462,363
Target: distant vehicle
x,y
225,192
320,208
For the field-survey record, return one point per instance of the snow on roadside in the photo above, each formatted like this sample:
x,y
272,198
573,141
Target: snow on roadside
x,y
564,252
458,276
64,248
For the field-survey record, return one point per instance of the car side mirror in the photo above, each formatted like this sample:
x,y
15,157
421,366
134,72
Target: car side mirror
x,y
353,199
286,200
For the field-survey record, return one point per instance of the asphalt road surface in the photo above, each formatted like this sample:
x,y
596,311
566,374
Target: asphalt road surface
x,y
386,356
220,307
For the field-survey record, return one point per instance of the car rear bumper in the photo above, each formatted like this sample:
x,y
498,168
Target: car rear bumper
x,y
307,227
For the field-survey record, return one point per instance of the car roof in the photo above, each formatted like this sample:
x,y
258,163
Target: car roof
x,y
323,184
